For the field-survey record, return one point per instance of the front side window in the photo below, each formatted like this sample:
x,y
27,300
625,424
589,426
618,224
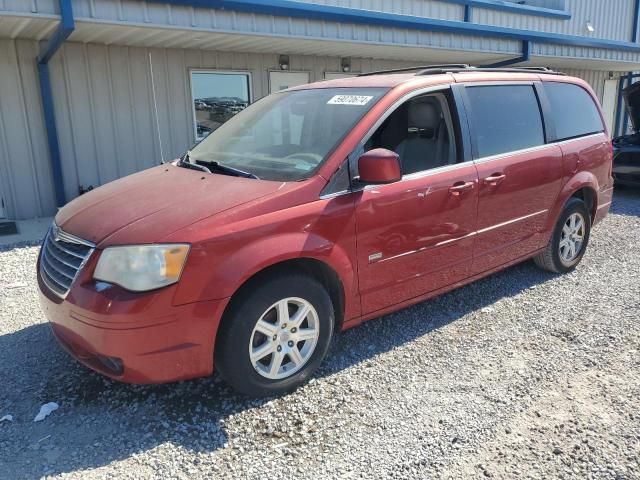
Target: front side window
x,y
506,118
573,110
286,136
217,96
421,132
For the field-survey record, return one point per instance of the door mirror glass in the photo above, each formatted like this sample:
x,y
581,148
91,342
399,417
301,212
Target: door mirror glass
x,y
379,166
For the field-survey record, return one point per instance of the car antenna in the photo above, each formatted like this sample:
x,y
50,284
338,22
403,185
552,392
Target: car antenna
x,y
155,108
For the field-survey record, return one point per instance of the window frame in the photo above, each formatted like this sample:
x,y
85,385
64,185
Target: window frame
x,y
543,109
191,71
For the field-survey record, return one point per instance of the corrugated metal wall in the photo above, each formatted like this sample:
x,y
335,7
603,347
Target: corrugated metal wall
x,y
25,174
611,19
105,114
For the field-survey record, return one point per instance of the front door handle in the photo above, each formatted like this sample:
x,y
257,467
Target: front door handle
x,y
494,178
460,187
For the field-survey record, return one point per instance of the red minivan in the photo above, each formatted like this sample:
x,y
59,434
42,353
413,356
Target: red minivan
x,y
318,208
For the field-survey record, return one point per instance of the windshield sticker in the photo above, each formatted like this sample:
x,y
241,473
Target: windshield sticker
x,y
357,100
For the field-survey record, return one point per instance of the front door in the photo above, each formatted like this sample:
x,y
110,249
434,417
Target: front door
x,y
415,236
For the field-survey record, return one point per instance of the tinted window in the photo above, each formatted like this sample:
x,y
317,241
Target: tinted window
x,y
505,118
572,110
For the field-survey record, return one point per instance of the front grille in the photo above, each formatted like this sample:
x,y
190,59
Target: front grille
x,y
61,258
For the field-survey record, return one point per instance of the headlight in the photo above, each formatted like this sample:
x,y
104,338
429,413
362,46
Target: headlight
x,y
142,267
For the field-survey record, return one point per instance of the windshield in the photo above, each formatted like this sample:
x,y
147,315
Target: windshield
x,y
286,136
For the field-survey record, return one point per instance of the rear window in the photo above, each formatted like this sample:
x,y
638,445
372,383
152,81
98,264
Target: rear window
x,y
506,118
573,111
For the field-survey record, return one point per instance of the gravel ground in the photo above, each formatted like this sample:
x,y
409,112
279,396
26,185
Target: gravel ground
x,y
523,374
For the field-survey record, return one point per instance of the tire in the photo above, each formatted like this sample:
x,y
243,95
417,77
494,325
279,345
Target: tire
x,y
555,257
300,347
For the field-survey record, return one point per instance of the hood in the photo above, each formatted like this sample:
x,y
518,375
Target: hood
x,y
631,96
148,206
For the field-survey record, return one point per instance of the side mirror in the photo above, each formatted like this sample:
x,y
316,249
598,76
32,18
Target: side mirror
x,y
379,166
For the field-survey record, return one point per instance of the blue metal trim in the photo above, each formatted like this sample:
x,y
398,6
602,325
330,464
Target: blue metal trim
x,y
619,108
467,13
501,5
636,21
288,8
526,55
625,121
65,28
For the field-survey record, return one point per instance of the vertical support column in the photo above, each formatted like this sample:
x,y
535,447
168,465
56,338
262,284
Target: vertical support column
x,y
65,28
467,12
621,112
46,95
636,21
625,122
619,108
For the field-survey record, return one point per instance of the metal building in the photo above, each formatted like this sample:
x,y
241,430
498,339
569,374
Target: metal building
x,y
92,90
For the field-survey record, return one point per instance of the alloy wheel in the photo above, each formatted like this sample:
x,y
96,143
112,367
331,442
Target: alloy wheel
x,y
284,338
572,238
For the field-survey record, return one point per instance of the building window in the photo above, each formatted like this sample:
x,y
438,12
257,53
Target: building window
x,y
217,96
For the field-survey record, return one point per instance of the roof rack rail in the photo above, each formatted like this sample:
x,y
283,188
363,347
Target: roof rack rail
x,y
438,71
460,68
419,67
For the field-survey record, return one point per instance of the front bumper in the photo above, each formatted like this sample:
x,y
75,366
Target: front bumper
x,y
155,341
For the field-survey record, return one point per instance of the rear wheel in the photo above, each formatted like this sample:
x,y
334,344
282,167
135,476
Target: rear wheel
x,y
275,335
569,240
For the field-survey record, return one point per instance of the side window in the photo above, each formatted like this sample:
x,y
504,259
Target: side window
x,y
573,110
421,132
506,118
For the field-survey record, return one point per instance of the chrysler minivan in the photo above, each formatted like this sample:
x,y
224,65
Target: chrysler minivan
x,y
318,208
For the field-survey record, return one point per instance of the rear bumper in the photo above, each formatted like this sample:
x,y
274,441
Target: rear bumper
x,y
605,197
155,341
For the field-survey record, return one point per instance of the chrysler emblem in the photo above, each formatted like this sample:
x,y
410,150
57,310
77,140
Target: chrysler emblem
x,y
55,232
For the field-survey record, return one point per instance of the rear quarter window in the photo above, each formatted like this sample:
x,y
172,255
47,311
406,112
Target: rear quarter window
x,y
573,110
506,118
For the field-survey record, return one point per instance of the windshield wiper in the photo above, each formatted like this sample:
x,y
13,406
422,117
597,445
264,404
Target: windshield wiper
x,y
214,165
185,162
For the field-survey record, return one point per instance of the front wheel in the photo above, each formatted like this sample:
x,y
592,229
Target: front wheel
x,y
275,335
569,240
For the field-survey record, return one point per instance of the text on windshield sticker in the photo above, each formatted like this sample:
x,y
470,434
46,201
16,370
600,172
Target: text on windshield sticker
x,y
349,100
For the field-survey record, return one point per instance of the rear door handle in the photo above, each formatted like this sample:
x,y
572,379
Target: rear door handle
x,y
495,178
460,187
